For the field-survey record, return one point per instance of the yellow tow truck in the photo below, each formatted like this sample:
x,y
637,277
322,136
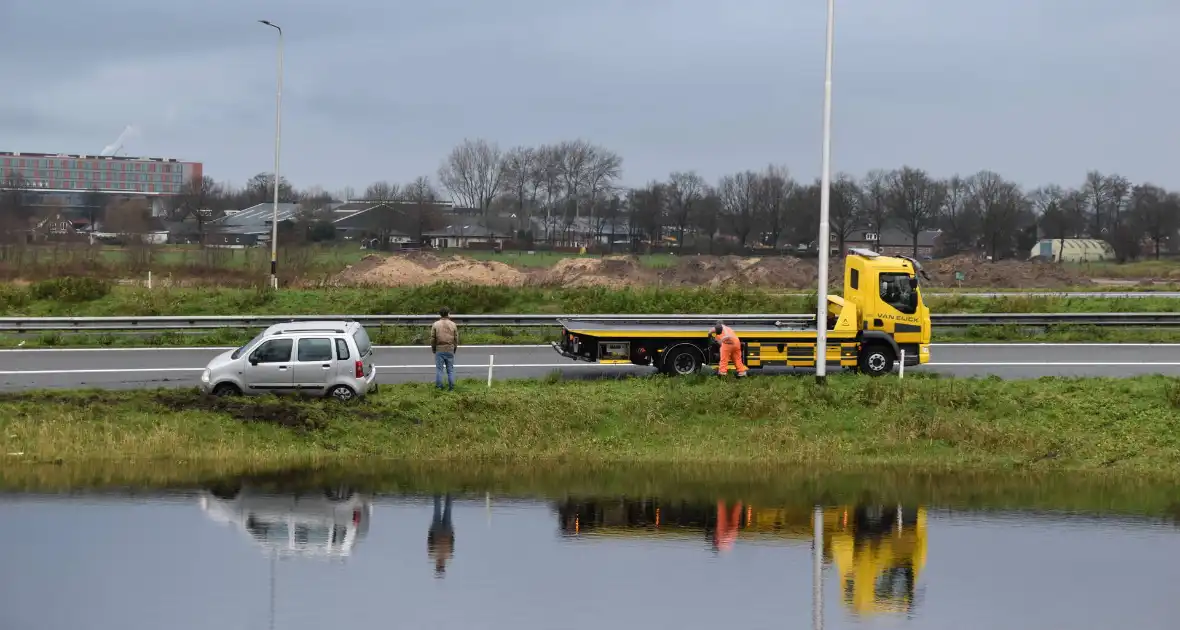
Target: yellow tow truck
x,y
880,316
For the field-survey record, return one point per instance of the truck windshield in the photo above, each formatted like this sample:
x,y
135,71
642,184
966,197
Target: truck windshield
x,y
896,291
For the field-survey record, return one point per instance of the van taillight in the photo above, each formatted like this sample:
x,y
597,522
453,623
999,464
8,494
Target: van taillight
x,y
360,369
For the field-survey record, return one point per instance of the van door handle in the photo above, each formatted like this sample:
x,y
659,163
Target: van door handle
x,y
326,366
282,367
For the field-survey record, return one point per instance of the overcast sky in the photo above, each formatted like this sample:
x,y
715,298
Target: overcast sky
x,y
1040,91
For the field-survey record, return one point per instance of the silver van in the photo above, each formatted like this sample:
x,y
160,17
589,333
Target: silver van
x,y
324,358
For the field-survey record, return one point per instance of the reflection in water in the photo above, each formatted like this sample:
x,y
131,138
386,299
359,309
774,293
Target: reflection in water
x,y
440,539
326,524
877,551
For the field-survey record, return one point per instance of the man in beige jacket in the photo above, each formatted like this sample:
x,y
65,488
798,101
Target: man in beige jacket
x,y
444,341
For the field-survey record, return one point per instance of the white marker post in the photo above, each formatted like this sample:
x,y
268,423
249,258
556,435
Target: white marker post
x,y
825,238
901,366
491,363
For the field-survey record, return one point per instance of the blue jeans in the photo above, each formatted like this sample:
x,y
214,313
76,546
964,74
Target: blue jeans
x,y
444,360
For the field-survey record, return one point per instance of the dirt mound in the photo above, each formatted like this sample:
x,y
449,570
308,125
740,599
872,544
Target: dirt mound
x,y
420,268
611,271
978,272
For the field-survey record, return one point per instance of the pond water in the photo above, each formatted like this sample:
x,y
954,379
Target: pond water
x,y
238,556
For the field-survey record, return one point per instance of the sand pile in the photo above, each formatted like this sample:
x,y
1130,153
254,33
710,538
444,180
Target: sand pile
x,y
421,268
1003,274
610,271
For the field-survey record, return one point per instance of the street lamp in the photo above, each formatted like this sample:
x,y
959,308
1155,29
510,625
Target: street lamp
x,y
274,223
825,239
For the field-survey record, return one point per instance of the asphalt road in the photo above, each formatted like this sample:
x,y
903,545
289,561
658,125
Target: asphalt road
x,y
155,367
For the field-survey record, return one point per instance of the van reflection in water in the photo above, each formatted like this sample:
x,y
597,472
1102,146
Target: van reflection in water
x,y
324,524
878,551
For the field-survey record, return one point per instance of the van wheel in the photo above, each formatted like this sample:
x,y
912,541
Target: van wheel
x,y
342,393
876,359
226,389
683,361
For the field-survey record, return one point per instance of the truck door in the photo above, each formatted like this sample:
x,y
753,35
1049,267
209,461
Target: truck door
x,y
898,307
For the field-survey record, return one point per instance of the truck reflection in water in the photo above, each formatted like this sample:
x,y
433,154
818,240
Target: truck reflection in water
x,y
878,551
325,524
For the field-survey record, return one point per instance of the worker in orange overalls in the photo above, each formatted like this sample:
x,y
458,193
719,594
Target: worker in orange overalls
x,y
727,526
731,349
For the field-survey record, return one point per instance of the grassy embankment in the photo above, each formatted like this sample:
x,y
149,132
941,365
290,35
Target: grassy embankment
x,y
1123,425
798,488
85,297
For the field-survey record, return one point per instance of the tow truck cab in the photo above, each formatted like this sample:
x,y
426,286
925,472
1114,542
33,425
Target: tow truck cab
x,y
880,319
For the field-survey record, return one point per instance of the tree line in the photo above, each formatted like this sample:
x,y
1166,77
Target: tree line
x,y
573,189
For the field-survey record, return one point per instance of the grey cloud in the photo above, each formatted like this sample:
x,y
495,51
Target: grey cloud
x,y
379,90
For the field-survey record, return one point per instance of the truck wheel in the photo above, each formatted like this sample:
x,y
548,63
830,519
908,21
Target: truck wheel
x,y
876,359
683,361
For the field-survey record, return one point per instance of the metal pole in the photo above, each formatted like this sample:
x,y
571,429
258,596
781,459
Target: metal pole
x,y
272,591
825,238
274,227
817,572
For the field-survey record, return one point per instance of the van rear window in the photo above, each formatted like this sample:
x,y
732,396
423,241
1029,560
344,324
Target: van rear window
x,y
363,345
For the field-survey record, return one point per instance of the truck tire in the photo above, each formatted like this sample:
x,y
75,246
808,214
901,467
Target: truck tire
x,y
683,360
876,359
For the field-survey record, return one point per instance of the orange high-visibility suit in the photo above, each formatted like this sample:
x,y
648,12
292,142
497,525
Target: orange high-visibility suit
x,y
731,350
727,526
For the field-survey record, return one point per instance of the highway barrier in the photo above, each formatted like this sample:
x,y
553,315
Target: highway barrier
x,y
213,322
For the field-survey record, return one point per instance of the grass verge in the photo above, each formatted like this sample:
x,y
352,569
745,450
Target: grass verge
x,y
415,336
761,485
87,297
1130,425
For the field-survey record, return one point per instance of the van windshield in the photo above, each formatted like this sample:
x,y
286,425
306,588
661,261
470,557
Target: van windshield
x,y
363,345
238,353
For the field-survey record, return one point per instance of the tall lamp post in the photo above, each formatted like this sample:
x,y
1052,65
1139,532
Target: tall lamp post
x,y
274,223
825,239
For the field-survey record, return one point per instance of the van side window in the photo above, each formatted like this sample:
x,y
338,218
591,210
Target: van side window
x,y
854,279
342,353
896,291
273,351
316,349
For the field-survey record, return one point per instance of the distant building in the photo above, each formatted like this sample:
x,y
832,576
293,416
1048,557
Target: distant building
x,y
889,241
1072,250
65,179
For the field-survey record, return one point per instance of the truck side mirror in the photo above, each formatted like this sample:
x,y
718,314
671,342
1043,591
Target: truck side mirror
x,y
913,283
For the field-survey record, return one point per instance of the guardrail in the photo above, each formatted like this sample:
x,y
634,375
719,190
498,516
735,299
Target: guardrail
x,y
212,322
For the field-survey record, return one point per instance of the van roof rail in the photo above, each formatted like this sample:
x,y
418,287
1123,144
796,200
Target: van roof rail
x,y
309,330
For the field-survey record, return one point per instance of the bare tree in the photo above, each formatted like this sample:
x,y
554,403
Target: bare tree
x,y
775,186
914,200
473,173
845,209
422,213
876,199
706,215
958,219
382,191
802,216
194,202
685,191
260,189
15,214
999,203
520,167
1156,213
739,199
648,206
